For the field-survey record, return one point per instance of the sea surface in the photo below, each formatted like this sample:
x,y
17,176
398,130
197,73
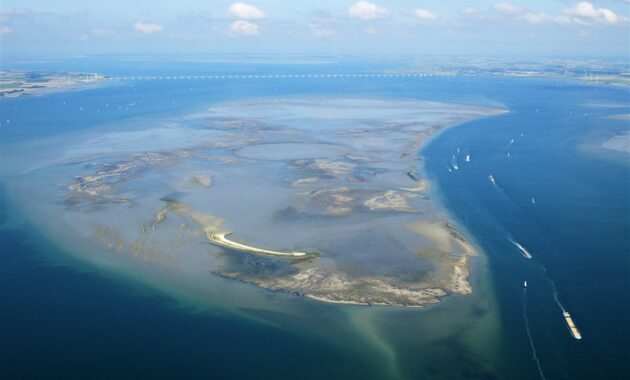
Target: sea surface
x,y
556,192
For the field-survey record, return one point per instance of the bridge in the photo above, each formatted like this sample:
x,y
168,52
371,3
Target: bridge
x,y
271,76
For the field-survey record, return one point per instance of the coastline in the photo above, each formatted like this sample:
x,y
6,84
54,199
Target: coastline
x,y
477,254
16,83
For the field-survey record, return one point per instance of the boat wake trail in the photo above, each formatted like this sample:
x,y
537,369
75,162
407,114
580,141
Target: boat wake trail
x,y
529,335
555,295
554,290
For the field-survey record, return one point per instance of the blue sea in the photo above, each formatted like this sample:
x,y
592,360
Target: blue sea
x,y
557,192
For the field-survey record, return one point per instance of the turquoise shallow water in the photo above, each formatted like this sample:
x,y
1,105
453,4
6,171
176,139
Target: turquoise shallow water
x,y
69,320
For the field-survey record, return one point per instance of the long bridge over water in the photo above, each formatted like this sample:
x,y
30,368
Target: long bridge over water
x,y
269,76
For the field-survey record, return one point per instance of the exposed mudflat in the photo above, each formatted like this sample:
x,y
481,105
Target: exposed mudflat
x,y
313,197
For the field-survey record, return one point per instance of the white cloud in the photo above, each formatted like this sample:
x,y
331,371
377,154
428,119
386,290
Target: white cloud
x,y
5,31
244,28
469,11
535,17
586,12
370,30
424,14
583,14
364,10
246,11
103,32
147,27
320,31
566,20
507,8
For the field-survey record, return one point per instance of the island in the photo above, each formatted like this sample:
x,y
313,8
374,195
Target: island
x,y
325,198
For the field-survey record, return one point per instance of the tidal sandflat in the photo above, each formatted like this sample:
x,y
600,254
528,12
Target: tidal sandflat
x,y
323,198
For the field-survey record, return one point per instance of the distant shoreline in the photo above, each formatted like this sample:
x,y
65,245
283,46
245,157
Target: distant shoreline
x,y
15,83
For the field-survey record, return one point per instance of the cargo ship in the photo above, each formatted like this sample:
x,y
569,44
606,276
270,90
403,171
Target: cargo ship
x,y
572,327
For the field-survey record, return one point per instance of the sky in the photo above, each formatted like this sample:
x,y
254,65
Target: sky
x,y
551,28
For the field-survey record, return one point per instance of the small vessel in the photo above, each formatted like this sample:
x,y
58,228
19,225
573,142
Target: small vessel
x,y
413,176
525,284
468,158
491,178
533,201
455,166
524,252
572,327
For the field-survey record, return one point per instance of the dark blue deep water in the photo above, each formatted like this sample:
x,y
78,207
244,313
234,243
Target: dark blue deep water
x,y
578,230
57,321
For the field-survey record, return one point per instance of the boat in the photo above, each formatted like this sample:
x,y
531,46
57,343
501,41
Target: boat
x,y
524,284
524,252
533,201
468,158
572,327
491,178
413,176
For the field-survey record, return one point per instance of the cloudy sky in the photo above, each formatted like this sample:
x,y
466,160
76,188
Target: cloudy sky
x,y
427,27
